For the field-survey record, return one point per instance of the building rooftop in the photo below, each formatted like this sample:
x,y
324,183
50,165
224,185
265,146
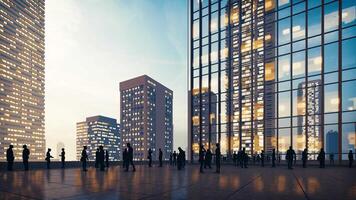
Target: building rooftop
x,y
168,183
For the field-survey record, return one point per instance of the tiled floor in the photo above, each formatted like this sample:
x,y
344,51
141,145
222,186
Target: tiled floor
x,y
168,183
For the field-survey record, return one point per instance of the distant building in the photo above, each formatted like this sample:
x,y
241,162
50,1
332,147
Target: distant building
x,y
96,131
22,77
60,145
331,145
146,117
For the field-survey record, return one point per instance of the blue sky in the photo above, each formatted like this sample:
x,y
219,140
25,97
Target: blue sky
x,y
92,45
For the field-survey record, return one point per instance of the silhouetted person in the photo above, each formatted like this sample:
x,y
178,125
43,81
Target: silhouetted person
x,y
290,156
48,158
124,158
321,158
201,157
234,158
351,158
101,158
208,158
295,158
10,157
149,157
170,159
217,157
183,157
273,157
240,158
84,158
160,157
97,158
130,158
262,158
331,158
174,158
244,157
180,158
305,157
107,158
25,156
63,158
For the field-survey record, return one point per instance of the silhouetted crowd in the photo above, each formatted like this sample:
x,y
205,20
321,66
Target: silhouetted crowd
x,y
178,159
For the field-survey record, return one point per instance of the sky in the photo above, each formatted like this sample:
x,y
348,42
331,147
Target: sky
x,y
93,45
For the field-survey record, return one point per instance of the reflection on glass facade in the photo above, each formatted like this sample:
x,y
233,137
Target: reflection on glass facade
x,y
22,77
282,73
146,117
96,131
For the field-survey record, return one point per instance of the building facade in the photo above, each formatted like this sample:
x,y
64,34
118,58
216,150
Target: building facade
x,y
22,77
146,117
96,131
283,72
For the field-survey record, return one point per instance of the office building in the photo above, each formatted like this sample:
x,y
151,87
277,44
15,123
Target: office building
x,y
283,72
146,117
22,77
96,131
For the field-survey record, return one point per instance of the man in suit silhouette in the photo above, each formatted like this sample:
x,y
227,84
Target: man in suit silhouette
x,y
10,157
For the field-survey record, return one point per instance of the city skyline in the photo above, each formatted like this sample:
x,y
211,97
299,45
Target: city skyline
x,y
85,62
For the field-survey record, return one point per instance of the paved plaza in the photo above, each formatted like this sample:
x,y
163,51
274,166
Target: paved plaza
x,y
168,183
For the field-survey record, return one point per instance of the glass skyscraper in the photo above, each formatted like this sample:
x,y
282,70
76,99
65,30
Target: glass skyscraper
x,y
22,77
283,73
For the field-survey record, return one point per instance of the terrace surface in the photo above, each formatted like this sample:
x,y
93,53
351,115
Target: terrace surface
x,y
168,183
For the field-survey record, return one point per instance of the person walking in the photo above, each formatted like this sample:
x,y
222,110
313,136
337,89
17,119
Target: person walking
x,y
202,152
10,157
273,157
130,158
289,157
263,158
351,158
124,158
84,158
149,157
160,157
25,156
48,158
217,157
63,157
321,158
305,157
97,158
107,158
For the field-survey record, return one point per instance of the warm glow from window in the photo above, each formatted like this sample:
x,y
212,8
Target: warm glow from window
x,y
269,71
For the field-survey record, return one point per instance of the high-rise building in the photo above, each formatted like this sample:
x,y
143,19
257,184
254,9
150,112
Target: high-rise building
x,y
146,117
96,131
283,72
331,141
22,77
208,117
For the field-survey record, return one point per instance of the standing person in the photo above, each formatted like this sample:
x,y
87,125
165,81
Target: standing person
x,y
149,157
97,158
351,158
84,158
183,156
202,152
174,158
124,158
239,158
130,158
273,157
305,157
107,158
244,157
234,158
289,157
180,158
262,158
208,158
48,158
101,158
171,159
217,157
331,158
160,157
10,157
321,158
25,156
63,157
